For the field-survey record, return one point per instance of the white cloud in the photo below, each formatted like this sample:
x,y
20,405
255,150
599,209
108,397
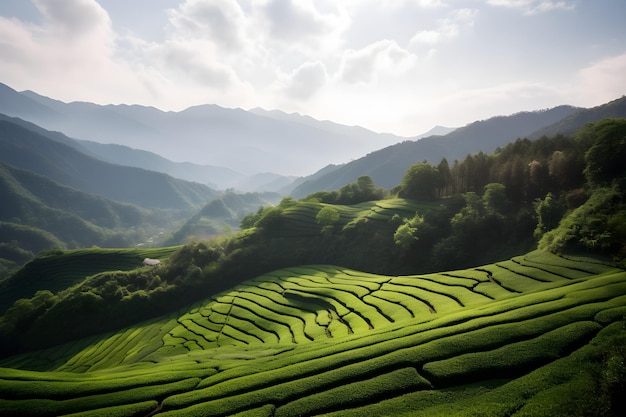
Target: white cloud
x,y
73,17
74,44
294,21
195,60
306,80
221,21
379,58
446,28
533,6
602,81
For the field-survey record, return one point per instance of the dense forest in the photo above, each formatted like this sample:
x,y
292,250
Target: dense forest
x,y
560,193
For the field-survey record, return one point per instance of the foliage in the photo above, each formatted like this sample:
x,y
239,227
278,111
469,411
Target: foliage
x,y
327,217
595,226
607,151
420,182
357,192
549,213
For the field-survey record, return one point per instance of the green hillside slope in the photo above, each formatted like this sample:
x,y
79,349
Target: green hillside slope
x,y
334,305
221,214
498,340
38,214
29,150
57,270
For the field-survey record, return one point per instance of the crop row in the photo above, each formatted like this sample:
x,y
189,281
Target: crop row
x,y
302,217
59,271
310,304
264,347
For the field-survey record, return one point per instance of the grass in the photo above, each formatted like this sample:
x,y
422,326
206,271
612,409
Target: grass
x,y
321,339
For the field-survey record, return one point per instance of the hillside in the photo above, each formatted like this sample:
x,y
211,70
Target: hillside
x,y
28,150
219,215
538,332
387,166
213,176
570,124
38,214
493,287
56,270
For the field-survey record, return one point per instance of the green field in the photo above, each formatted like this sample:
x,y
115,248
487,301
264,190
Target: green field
x,y
64,269
537,332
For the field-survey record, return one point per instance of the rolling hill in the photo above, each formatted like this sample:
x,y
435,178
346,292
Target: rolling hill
x,y
29,150
537,332
219,215
38,214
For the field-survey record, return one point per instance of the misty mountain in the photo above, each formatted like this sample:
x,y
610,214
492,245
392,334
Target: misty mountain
x,y
220,214
37,213
387,166
573,122
29,150
246,142
213,176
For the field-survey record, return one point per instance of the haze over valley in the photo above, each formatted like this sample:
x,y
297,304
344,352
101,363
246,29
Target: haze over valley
x,y
286,208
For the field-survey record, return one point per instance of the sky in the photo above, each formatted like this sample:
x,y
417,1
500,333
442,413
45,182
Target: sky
x,y
398,66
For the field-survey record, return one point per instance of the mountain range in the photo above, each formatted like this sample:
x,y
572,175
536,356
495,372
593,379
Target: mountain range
x,y
61,191
246,142
221,147
28,149
388,165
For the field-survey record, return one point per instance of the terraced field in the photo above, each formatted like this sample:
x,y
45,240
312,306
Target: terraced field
x,y
301,217
54,273
313,340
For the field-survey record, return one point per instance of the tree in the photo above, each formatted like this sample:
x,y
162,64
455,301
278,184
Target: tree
x,y
445,178
605,158
420,182
550,211
327,217
405,235
495,198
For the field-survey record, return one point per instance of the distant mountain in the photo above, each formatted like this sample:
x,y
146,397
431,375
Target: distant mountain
x,y
573,122
213,176
37,213
246,142
29,150
388,165
224,212
436,131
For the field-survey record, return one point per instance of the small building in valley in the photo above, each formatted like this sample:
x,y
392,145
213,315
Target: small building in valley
x,y
151,262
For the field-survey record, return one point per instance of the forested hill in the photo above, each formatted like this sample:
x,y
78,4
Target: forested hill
x,y
570,124
37,214
29,150
387,166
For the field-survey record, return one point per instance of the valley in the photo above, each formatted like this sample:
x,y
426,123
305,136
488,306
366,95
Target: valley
x,y
490,283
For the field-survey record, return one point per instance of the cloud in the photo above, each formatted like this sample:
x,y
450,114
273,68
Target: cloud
x,y
221,21
382,57
194,60
291,21
603,81
532,6
446,28
73,17
74,42
306,80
